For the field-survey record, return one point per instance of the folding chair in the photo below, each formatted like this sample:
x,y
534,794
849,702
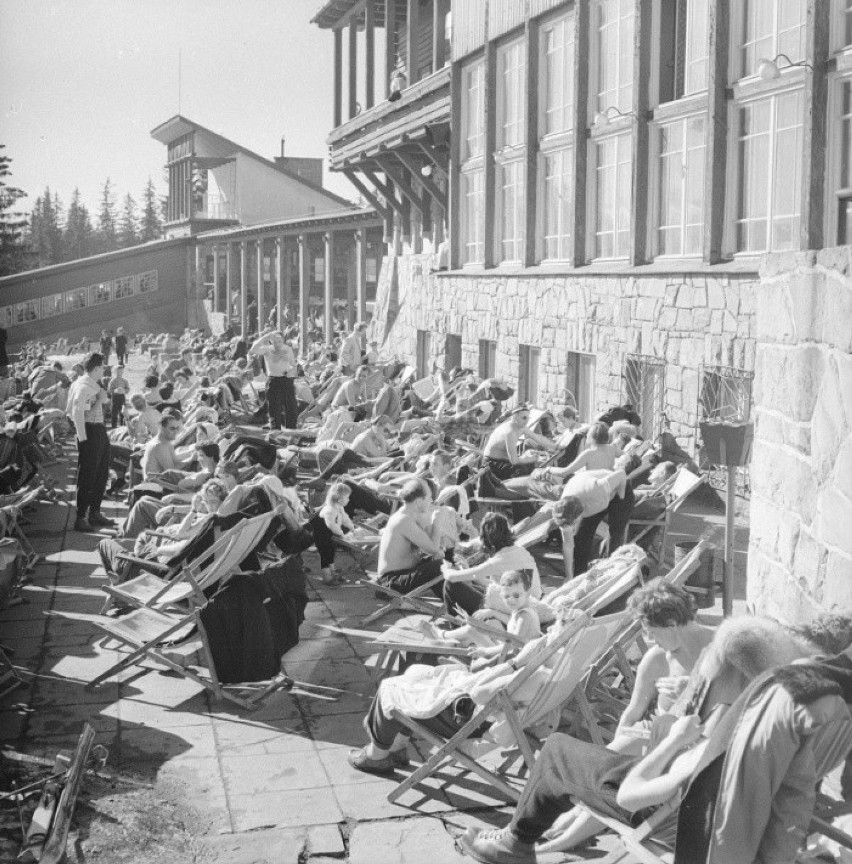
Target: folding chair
x,y
415,600
571,652
675,493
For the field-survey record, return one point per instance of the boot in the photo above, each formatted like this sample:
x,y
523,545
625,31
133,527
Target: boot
x,y
81,523
98,520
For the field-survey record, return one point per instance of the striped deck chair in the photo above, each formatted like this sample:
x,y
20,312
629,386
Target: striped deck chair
x,y
560,666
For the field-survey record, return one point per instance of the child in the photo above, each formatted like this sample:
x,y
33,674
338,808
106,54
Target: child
x,y
522,620
331,521
118,388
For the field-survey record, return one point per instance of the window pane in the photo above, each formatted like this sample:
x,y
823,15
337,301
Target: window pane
x,y
557,204
613,197
614,54
512,87
472,217
771,27
557,75
511,201
473,114
696,46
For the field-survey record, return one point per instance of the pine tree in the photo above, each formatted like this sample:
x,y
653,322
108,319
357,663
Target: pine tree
x,y
127,231
57,238
13,224
78,239
151,227
107,236
45,231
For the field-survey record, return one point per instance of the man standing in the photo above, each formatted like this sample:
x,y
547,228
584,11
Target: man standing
x,y
350,350
121,347
280,364
86,400
106,346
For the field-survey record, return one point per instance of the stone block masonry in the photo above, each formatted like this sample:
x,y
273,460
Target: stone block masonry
x,y
684,319
800,555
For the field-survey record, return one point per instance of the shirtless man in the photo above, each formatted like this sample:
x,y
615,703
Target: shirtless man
x,y
501,449
411,534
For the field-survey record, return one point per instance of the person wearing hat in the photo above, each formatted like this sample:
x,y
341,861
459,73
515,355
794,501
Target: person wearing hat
x,y
121,346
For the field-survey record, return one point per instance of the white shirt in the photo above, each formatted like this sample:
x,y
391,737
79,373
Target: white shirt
x,y
86,399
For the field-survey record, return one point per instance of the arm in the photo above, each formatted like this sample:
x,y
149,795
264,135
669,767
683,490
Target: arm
x,y
418,537
260,346
651,667
567,532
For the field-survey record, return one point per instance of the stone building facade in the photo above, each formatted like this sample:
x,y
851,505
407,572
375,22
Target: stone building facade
x,y
800,554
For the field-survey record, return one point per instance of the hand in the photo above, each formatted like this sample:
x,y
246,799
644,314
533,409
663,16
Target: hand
x,y
449,574
476,651
686,730
483,614
671,686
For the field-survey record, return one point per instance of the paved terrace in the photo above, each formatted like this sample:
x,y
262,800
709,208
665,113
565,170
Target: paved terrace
x,y
269,786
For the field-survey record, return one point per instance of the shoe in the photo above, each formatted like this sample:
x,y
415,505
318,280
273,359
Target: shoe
x,y
328,577
400,758
496,846
98,520
358,759
82,524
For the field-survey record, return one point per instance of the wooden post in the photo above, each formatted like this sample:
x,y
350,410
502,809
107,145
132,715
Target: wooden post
x,y
411,41
390,43
531,39
439,12
215,278
489,235
353,67
351,284
716,152
580,154
229,284
338,78
282,273
730,511
200,293
329,288
370,55
244,332
261,304
642,38
361,274
814,129
304,290
454,197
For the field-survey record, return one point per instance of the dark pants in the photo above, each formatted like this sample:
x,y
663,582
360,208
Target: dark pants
x,y
383,728
117,570
503,469
618,516
323,540
341,462
405,581
361,498
121,357
462,595
117,408
568,768
92,468
281,398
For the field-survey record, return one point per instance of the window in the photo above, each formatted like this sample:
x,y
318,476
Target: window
x,y
580,383
613,23
528,374
76,299
842,218
770,28
423,353
680,188
52,305
509,156
683,48
452,352
7,316
769,136
26,311
487,358
644,389
725,394
148,282
123,287
844,23
472,198
556,141
613,196
100,293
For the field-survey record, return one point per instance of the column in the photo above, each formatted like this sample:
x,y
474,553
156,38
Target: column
x,y
200,292
531,137
215,278
244,324
490,142
261,305
229,284
411,41
390,43
353,66
369,55
304,290
329,288
361,273
580,156
439,12
641,73
715,164
351,278
279,282
338,78
453,181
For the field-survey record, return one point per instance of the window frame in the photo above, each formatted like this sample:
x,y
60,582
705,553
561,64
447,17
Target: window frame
x,y
472,169
594,100
583,361
58,309
736,58
488,353
620,127
529,368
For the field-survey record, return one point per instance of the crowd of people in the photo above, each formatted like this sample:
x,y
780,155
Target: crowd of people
x,y
443,477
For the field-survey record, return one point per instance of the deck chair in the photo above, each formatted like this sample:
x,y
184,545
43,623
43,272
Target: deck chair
x,y
191,579
570,654
675,494
415,600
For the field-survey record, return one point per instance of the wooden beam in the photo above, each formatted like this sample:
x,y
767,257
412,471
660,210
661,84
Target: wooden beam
x,y
229,284
489,235
439,12
280,267
716,152
215,278
814,135
531,185
390,43
441,167
338,78
581,148
304,290
454,209
428,184
387,190
395,173
328,317
361,274
370,54
261,304
412,35
244,332
383,210
642,38
351,282
353,68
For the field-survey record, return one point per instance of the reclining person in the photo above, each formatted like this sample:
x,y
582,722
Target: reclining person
x,y
501,448
618,785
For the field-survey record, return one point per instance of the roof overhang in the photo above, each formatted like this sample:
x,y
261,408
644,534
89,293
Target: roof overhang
x,y
172,129
338,13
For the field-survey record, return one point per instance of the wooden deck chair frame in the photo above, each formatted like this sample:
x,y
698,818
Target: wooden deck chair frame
x,y
502,702
683,484
414,600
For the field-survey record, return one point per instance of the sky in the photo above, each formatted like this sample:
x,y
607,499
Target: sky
x,y
83,83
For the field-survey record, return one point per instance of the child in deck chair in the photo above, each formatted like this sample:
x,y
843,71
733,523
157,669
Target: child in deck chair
x,y
331,521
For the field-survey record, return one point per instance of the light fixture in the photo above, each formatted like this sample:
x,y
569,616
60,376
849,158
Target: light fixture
x,y
426,170
603,117
770,70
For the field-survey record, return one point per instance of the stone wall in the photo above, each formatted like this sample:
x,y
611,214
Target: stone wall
x,y
800,555
687,319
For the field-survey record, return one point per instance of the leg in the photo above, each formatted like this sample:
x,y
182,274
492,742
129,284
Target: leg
x,y
361,498
85,475
275,401
583,541
117,570
424,572
101,467
462,595
142,516
341,463
291,409
618,516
